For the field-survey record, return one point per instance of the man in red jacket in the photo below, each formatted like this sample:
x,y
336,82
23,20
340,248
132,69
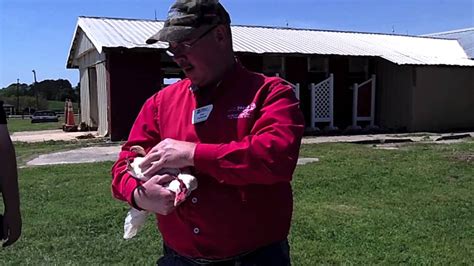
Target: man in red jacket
x,y
239,132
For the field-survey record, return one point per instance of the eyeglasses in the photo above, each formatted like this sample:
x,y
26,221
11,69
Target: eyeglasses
x,y
185,47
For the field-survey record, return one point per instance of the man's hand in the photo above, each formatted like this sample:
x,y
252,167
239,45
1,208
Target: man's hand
x,y
153,197
169,153
11,226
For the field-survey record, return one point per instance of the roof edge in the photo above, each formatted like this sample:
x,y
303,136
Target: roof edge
x,y
448,32
271,27
138,19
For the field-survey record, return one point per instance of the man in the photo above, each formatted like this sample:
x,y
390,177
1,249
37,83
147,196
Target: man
x,y
10,229
238,131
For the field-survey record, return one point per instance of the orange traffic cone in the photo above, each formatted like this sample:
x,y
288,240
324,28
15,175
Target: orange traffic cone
x,y
70,117
70,124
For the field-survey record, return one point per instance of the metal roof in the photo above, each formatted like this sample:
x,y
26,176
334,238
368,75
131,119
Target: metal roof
x,y
399,49
465,37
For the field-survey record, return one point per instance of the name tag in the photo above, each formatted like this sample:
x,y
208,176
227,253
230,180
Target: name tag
x,y
201,114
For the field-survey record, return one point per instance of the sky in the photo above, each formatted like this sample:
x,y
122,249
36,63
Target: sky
x,y
37,34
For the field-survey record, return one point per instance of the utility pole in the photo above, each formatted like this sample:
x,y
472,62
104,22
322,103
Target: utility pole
x,y
36,89
17,95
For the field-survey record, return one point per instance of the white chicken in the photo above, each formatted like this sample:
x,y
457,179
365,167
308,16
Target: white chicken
x,y
182,186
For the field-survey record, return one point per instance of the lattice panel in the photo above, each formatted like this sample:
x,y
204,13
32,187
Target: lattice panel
x,y
322,102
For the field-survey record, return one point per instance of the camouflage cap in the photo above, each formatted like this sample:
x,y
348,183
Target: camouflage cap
x,y
187,17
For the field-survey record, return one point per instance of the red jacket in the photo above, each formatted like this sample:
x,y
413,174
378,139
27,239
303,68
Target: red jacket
x,y
244,160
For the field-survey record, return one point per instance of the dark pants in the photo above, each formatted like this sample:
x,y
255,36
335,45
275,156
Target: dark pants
x,y
277,254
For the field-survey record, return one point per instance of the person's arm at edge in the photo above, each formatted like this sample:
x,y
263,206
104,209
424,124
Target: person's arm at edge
x,y
10,191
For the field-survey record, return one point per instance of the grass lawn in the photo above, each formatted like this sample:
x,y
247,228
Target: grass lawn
x,y
59,105
18,124
358,205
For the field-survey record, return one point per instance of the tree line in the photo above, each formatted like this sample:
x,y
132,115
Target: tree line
x,y
29,97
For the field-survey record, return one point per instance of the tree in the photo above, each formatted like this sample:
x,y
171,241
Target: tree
x,y
11,90
26,102
51,90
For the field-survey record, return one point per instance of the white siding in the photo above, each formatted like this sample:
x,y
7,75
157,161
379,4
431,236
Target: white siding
x,y
85,101
84,45
103,124
90,59
94,113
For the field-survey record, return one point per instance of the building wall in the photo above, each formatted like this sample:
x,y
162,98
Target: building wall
x,y
102,99
252,62
339,67
134,76
393,104
90,59
296,71
443,98
89,107
296,68
85,101
84,45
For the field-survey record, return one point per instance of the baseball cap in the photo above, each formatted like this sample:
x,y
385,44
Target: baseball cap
x,y
189,17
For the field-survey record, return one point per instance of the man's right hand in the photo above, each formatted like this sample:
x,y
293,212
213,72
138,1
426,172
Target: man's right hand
x,y
153,197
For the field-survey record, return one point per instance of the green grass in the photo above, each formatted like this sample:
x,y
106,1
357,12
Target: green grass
x,y
70,218
357,205
18,124
59,106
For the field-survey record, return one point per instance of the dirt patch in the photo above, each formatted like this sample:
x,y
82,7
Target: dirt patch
x,y
49,135
383,141
468,158
303,161
453,178
86,136
342,208
454,137
82,155
393,146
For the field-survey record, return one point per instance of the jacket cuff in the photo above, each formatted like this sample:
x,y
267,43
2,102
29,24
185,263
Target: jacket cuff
x,y
205,158
128,190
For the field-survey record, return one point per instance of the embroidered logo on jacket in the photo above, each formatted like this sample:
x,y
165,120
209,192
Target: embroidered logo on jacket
x,y
240,112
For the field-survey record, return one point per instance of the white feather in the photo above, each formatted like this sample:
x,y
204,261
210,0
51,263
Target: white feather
x,y
135,219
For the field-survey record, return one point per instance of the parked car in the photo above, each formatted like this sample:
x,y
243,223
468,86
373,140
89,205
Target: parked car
x,y
44,116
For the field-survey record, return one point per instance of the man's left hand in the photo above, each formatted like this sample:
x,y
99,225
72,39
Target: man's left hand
x,y
169,153
11,226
